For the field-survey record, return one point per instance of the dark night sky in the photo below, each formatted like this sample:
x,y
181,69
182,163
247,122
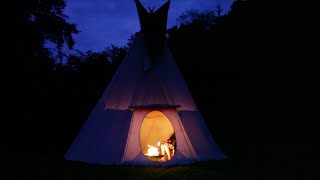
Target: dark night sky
x,y
105,22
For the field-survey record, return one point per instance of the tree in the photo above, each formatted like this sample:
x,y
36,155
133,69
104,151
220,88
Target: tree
x,y
195,16
35,22
28,68
219,10
263,66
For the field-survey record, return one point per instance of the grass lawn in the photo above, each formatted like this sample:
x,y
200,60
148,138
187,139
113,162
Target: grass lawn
x,y
256,164
75,170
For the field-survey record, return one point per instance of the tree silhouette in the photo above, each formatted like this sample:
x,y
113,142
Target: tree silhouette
x,y
258,64
35,23
219,10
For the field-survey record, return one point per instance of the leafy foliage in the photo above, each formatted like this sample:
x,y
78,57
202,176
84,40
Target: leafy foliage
x,y
257,66
36,22
195,16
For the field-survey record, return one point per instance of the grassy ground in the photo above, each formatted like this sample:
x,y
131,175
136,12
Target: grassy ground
x,y
74,170
264,163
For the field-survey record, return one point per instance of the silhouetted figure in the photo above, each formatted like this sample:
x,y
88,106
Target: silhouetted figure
x,y
168,147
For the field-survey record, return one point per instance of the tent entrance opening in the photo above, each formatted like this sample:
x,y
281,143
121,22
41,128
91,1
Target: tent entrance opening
x,y
157,137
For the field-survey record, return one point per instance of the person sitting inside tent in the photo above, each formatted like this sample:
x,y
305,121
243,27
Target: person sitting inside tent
x,y
166,146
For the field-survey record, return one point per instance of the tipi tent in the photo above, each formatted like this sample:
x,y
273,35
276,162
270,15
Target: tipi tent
x,y
146,103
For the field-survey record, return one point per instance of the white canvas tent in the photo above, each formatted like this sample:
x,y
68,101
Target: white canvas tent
x,y
145,102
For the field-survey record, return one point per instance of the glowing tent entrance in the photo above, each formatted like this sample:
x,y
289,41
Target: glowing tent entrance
x,y
157,137
146,102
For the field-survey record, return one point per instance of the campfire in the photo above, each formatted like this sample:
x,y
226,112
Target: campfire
x,y
152,151
167,152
